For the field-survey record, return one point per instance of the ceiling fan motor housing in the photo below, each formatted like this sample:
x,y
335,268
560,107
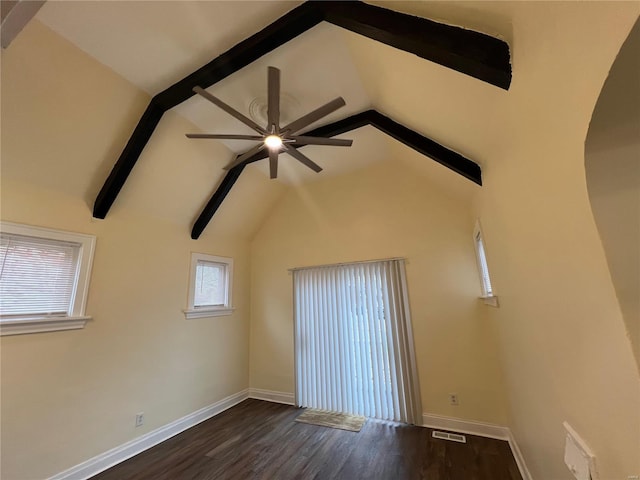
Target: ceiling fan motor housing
x,y
275,138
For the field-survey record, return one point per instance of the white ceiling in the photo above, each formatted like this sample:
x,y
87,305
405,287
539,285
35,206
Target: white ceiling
x,y
154,44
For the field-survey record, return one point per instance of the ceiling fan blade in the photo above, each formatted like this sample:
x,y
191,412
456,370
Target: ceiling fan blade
x,y
273,163
335,142
224,136
231,111
273,105
303,159
244,156
317,114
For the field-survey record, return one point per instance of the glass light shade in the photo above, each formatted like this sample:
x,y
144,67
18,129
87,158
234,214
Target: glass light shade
x,y
273,141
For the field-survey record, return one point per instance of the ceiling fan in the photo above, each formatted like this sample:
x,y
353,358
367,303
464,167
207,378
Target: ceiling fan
x,y
273,137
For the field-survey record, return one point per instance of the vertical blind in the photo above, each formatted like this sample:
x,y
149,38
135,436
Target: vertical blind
x,y
37,276
354,345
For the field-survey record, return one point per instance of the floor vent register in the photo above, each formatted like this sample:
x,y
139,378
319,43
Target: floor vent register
x,y
454,437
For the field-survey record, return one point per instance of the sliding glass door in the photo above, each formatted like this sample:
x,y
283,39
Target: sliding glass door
x,y
353,340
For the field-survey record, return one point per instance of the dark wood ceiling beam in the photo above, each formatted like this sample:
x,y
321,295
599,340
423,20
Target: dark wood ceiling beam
x,y
472,53
450,159
216,200
127,160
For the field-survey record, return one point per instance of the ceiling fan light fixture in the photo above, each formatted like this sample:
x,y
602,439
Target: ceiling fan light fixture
x,y
273,136
273,142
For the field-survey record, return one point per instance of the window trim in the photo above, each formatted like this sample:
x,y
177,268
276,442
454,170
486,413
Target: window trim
x,y
488,298
209,311
77,318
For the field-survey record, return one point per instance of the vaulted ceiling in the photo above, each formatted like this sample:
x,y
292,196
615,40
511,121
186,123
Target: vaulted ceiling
x,y
156,44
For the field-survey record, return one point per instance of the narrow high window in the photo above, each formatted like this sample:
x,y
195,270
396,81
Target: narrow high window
x,y
483,267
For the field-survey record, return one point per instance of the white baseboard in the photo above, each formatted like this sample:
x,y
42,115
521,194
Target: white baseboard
x,y
272,396
517,454
481,429
108,459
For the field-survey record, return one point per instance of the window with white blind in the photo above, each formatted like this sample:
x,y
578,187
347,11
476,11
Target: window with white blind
x,y
210,286
483,268
44,279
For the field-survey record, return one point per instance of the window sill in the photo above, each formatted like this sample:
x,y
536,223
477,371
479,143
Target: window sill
x,y
206,312
491,300
41,324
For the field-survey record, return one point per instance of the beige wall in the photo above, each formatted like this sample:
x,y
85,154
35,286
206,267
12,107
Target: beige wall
x,y
563,342
383,212
565,350
612,162
67,396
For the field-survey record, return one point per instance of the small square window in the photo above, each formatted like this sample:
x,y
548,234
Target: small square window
x,y
483,267
44,279
210,286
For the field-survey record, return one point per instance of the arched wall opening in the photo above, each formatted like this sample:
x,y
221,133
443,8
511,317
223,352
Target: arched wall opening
x,y
612,164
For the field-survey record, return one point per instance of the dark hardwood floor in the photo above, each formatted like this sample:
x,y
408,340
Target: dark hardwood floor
x,y
260,440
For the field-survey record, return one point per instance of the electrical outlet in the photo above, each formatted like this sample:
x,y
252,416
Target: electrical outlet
x,y
453,399
139,419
